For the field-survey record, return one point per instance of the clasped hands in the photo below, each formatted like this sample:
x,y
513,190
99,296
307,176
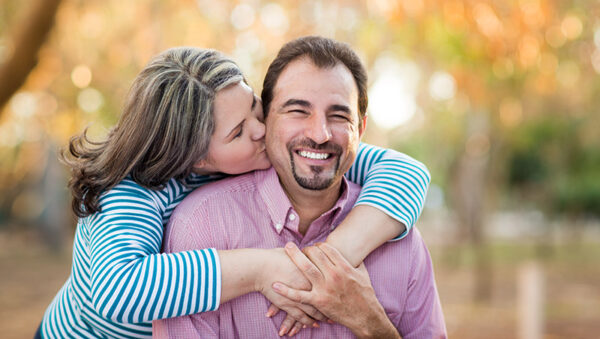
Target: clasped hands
x,y
317,284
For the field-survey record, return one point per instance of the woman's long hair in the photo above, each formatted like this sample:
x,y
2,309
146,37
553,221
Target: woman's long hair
x,y
165,127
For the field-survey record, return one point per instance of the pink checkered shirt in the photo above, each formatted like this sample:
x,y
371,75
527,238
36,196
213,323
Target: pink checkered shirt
x,y
252,210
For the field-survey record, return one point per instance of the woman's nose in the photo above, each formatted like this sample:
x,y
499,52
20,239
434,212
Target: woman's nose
x,y
258,130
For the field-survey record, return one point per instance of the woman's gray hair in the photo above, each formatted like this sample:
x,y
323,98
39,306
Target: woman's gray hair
x,y
165,127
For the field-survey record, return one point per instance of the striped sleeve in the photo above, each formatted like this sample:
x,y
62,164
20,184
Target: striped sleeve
x,y
392,182
131,281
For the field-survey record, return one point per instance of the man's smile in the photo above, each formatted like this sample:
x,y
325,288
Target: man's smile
x,y
316,155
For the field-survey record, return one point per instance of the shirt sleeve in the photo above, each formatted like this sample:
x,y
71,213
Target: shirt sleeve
x,y
392,182
131,281
422,316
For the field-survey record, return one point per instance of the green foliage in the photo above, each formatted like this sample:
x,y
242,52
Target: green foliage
x,y
548,155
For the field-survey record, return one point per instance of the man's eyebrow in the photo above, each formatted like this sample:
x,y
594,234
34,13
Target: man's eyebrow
x,y
299,102
338,108
235,129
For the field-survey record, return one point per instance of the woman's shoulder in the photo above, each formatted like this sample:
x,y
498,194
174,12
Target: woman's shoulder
x,y
128,193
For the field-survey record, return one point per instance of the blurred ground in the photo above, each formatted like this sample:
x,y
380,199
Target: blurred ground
x,y
31,275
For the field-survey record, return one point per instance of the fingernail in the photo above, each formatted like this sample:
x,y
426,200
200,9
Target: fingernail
x,y
269,314
330,321
303,326
282,331
315,325
292,332
277,287
289,245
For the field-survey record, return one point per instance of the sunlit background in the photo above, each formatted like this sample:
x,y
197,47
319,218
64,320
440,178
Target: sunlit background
x,y
500,99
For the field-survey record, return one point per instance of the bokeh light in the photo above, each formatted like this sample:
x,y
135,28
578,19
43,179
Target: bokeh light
x,y
242,16
392,97
90,100
442,86
81,76
274,18
23,104
571,26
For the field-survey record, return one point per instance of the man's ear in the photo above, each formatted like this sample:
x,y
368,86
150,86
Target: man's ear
x,y
363,126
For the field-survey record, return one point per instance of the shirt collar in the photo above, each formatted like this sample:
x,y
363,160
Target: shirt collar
x,y
277,202
282,213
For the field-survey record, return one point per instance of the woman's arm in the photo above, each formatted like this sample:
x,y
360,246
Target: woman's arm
x,y
394,187
130,280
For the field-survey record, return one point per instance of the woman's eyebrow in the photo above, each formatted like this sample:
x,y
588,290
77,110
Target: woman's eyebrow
x,y
254,101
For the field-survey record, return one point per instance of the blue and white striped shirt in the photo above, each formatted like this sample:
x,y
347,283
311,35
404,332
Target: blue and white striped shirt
x,y
120,281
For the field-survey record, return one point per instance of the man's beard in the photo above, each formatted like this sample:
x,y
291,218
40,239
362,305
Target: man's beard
x,y
317,181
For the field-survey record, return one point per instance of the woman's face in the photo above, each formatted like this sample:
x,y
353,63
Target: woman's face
x,y
238,142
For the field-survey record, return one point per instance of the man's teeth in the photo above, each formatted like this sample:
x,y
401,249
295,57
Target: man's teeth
x,y
313,155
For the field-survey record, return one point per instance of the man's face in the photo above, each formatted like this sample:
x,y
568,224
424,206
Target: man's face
x,y
313,125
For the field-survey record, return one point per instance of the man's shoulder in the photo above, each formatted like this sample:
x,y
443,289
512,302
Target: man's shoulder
x,y
353,189
405,250
244,183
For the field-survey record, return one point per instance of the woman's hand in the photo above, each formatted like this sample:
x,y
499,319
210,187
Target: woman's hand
x,y
341,292
279,267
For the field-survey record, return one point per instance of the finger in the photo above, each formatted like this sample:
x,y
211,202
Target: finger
x,y
298,315
308,269
362,267
318,257
286,325
295,329
312,312
334,255
273,310
299,296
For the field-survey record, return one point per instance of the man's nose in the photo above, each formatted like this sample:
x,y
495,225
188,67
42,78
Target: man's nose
x,y
318,129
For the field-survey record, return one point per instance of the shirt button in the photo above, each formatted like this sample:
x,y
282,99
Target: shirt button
x,y
292,217
278,227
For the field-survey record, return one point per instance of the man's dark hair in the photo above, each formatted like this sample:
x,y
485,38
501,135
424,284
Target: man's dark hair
x,y
324,53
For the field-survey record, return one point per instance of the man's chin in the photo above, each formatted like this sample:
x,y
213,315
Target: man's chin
x,y
314,183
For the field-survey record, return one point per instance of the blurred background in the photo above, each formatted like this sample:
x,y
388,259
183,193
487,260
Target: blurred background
x,y
500,99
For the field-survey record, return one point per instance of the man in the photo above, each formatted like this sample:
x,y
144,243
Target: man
x,y
315,101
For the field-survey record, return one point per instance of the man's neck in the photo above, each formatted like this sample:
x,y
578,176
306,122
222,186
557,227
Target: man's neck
x,y
311,204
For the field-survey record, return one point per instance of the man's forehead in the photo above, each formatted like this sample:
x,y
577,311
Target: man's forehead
x,y
303,76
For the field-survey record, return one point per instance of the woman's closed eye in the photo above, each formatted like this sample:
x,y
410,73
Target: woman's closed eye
x,y
239,133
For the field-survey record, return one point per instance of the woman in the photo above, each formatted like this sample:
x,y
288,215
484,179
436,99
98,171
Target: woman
x,y
125,188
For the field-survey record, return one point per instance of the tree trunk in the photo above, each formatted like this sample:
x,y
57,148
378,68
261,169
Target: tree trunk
x,y
29,34
469,194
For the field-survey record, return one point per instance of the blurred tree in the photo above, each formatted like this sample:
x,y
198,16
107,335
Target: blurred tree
x,y
28,36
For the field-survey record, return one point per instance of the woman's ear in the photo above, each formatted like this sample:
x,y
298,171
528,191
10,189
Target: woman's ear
x,y
201,166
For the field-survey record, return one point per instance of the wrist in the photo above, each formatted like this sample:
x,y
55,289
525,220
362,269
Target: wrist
x,y
347,246
262,276
376,324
